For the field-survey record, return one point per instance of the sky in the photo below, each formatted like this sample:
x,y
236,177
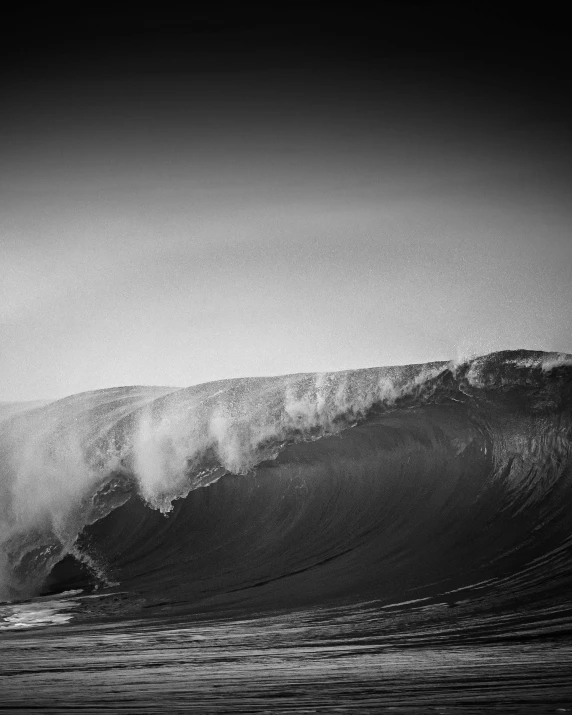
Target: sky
x,y
204,197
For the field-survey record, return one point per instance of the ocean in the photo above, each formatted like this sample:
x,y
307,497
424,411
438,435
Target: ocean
x,y
393,539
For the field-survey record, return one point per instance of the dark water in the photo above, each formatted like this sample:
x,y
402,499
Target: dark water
x,y
388,539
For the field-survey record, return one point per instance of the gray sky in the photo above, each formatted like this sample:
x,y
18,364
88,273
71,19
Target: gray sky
x,y
171,229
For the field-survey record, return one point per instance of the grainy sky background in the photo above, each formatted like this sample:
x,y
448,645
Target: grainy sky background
x,y
188,199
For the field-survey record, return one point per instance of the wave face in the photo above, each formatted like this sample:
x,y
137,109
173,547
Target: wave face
x,y
393,484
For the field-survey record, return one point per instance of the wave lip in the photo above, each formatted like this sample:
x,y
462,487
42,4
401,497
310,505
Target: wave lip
x,y
373,483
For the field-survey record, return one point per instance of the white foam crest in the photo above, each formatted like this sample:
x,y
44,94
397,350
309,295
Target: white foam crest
x,y
556,360
52,461
47,473
186,444
151,456
44,476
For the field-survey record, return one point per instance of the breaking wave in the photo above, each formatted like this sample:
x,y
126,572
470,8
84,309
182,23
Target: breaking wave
x,y
383,483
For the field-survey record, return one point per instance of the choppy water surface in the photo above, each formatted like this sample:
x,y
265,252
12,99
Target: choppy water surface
x,y
427,659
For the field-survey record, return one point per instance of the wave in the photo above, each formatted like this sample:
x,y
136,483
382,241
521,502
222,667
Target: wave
x,y
397,483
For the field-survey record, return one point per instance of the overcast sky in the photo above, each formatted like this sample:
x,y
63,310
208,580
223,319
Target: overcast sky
x,y
171,223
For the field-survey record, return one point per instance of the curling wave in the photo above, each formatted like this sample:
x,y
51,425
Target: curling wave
x,y
397,483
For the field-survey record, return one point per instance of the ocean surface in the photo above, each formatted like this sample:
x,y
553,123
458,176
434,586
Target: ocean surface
x,y
394,539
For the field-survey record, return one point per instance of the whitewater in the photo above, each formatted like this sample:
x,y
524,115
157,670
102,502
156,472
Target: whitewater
x,y
328,520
